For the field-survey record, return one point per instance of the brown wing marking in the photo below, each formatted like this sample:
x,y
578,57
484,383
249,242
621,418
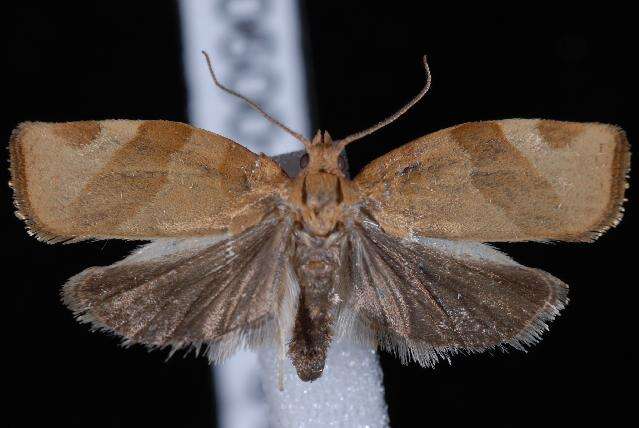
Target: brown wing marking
x,y
221,294
148,154
78,134
508,180
426,299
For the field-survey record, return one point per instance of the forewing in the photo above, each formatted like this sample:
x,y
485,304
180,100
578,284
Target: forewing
x,y
136,180
508,180
428,298
202,291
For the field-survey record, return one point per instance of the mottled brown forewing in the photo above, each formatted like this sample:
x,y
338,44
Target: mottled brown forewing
x,y
508,180
136,180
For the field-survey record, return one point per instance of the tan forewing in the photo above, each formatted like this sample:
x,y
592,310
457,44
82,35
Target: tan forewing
x,y
428,298
200,291
508,180
136,180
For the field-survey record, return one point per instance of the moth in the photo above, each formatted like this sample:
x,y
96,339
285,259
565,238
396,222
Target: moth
x,y
242,255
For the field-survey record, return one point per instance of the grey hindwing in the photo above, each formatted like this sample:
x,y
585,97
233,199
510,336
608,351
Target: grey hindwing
x,y
428,298
187,293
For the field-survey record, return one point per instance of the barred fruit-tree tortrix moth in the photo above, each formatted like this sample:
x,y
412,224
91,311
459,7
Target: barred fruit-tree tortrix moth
x,y
243,255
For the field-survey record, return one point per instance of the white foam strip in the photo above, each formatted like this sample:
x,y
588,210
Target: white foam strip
x,y
350,393
256,50
255,45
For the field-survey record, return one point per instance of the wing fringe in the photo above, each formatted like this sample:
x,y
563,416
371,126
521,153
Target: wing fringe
x,y
18,183
414,350
620,183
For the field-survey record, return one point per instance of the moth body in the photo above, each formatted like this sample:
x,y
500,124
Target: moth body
x,y
242,255
323,197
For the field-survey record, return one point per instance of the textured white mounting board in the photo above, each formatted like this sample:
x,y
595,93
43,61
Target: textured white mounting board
x,y
256,48
350,393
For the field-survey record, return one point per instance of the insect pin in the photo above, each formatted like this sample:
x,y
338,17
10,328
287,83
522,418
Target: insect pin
x,y
241,254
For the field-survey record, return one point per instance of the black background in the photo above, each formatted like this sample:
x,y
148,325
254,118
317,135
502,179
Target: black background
x,y
123,60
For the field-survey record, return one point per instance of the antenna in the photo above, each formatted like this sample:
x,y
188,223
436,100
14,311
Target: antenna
x,y
356,136
254,105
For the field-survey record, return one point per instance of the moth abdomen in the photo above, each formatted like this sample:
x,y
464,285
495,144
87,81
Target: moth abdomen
x,y
312,335
316,262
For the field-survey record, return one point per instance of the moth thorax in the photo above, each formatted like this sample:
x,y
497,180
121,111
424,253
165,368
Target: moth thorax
x,y
322,189
321,195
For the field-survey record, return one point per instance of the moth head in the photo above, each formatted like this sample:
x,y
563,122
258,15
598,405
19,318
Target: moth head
x,y
322,156
321,184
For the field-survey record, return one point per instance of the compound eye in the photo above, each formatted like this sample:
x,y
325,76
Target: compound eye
x,y
341,164
304,161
